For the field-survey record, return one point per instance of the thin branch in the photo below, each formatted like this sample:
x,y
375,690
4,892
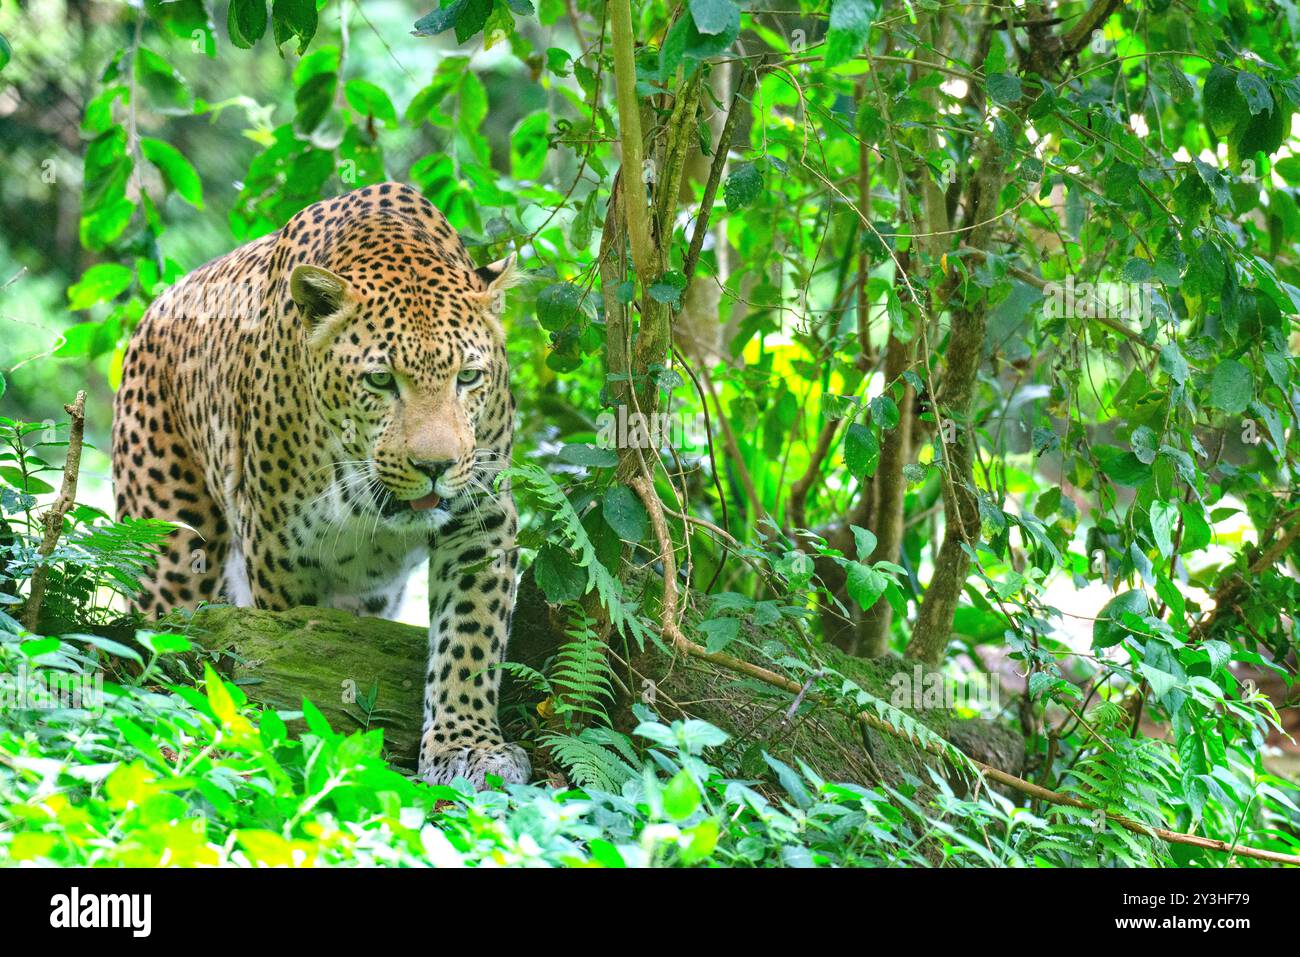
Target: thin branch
x,y
720,151
53,518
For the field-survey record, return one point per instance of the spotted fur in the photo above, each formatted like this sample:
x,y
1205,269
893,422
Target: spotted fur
x,y
255,410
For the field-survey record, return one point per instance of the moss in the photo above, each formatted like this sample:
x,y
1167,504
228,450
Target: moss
x,y
330,657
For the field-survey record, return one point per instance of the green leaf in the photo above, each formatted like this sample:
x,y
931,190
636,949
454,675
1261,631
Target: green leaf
x,y
668,288
865,585
1122,468
1232,386
1173,363
681,796
581,230
1263,132
467,16
293,18
715,16
1162,682
139,739
1137,270
861,450
369,99
1255,91
849,29
164,643
219,699
558,576
114,648
864,540
589,455
31,485
99,283
246,22
313,101
742,187
686,42
473,16
438,21
6,52
1197,533
1005,88
272,728
41,646
719,632
1224,105
1145,443
178,172
1108,629
1164,517
559,305
884,411
317,723
164,89
790,781
557,60
530,145
186,19
625,513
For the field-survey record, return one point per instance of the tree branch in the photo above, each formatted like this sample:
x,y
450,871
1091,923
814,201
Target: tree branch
x,y
53,518
720,152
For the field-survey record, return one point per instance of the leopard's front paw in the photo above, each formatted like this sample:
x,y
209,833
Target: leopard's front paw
x,y
443,762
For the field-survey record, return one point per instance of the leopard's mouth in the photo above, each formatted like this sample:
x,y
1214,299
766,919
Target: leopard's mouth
x,y
425,502
390,506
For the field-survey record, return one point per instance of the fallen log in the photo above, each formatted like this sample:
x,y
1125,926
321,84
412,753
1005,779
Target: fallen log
x,y
361,673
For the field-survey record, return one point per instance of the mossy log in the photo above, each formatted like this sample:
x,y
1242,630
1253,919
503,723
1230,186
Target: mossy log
x,y
360,672
332,658
368,673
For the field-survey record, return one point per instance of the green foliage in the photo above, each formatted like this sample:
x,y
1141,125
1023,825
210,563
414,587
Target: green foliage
x,y
95,562
134,774
570,531
1123,470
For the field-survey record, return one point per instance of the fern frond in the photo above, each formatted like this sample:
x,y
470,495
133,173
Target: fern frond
x,y
1129,777
581,675
527,676
598,758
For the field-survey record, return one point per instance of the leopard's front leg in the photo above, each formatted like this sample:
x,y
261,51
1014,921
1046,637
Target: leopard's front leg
x,y
471,599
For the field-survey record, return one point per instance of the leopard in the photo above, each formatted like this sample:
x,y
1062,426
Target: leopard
x,y
318,413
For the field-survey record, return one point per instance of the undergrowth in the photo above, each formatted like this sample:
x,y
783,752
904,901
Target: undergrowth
x,y
97,768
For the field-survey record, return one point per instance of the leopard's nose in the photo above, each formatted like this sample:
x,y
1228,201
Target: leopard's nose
x,y
433,468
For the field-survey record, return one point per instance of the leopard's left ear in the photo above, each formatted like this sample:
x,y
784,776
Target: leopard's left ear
x,y
497,278
323,298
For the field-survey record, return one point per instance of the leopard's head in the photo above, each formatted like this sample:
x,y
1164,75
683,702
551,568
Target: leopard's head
x,y
406,361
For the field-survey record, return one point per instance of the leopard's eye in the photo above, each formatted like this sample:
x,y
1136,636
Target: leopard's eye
x,y
469,377
379,381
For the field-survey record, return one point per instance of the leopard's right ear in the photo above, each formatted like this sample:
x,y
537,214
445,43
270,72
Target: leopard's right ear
x,y
323,297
